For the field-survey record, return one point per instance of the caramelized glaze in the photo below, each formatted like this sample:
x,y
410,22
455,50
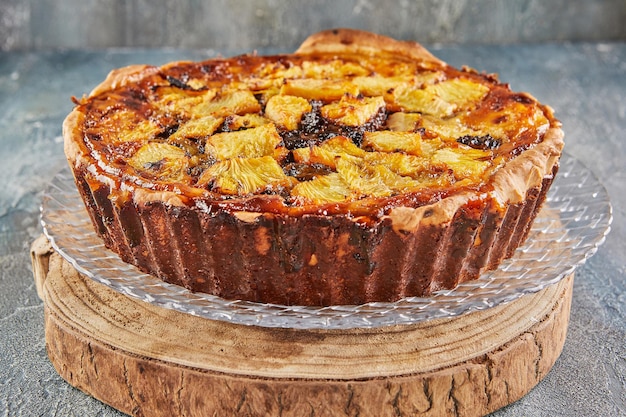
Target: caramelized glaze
x,y
113,113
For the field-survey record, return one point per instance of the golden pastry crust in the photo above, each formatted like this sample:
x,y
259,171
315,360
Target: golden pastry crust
x,y
358,169
347,41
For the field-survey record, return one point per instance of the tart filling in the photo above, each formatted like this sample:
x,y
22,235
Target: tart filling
x,y
358,169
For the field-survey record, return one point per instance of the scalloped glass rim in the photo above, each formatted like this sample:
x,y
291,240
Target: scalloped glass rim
x,y
569,229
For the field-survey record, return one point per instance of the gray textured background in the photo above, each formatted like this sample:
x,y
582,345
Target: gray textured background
x,y
584,81
240,24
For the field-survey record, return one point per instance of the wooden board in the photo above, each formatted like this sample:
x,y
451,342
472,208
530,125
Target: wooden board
x,y
148,361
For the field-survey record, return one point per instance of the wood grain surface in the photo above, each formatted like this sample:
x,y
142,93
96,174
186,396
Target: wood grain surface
x,y
149,361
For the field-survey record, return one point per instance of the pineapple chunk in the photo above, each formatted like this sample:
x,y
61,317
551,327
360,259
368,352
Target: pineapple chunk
x,y
426,78
140,132
381,86
262,83
328,152
265,95
398,183
374,180
442,99
423,101
388,141
341,144
161,160
353,111
335,69
277,72
123,126
403,122
245,121
197,128
243,176
430,146
281,154
325,90
459,92
400,163
447,129
465,162
249,143
228,103
287,111
196,83
426,172
378,86
329,188
363,180
176,101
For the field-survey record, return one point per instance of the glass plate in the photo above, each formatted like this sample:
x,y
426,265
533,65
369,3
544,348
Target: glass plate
x,y
567,231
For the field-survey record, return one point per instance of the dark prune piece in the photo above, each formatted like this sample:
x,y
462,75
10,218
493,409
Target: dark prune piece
x,y
377,121
168,131
175,82
312,122
355,134
293,140
306,172
484,142
522,98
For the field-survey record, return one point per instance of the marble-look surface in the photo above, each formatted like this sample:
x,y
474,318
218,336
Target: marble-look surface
x,y
585,83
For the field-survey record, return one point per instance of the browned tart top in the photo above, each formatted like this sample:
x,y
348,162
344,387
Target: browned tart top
x,y
323,130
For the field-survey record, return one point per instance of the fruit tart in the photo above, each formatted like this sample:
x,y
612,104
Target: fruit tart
x,y
358,169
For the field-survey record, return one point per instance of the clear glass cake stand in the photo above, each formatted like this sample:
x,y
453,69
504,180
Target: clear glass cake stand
x,y
571,226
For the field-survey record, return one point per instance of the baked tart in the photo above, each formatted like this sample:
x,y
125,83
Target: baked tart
x,y
358,169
